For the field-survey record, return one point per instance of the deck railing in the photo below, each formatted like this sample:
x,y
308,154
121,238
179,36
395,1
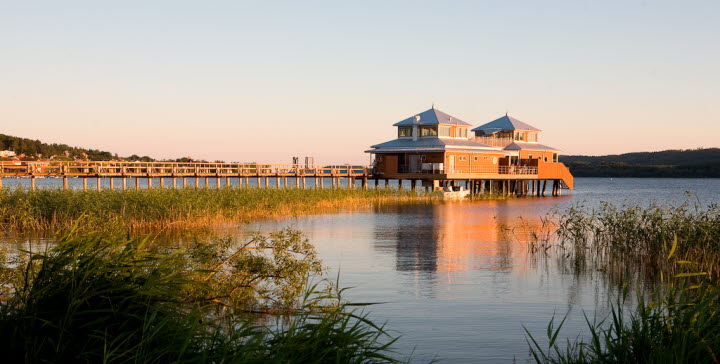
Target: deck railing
x,y
493,141
490,170
130,169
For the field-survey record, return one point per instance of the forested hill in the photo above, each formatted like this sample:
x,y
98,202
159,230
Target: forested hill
x,y
668,163
33,149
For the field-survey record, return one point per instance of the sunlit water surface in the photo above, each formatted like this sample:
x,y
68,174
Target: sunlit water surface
x,y
452,283
454,286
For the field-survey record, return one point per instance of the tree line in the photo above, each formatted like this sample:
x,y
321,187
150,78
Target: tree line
x,y
694,163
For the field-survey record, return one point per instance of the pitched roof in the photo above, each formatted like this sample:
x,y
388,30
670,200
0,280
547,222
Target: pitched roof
x,y
529,146
431,117
504,123
431,144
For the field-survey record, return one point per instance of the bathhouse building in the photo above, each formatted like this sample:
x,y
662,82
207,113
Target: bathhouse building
x,y
439,149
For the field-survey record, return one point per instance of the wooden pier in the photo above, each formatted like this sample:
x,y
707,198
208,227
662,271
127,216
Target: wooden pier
x,y
498,180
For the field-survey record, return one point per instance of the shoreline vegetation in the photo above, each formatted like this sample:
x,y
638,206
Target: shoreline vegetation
x,y
160,210
94,297
671,253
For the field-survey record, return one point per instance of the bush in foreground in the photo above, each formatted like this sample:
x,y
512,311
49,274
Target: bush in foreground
x,y
95,299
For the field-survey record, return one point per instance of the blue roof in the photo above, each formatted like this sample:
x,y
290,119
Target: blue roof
x,y
432,116
504,123
529,146
431,144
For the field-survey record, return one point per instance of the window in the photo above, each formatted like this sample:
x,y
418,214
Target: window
x,y
461,133
532,137
555,157
463,158
475,158
529,156
520,136
444,131
405,131
428,131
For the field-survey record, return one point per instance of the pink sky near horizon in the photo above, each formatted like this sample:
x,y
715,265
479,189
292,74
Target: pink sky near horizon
x,y
240,81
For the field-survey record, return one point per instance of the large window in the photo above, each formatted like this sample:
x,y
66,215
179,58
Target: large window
x,y
428,131
444,131
461,132
532,137
520,136
405,131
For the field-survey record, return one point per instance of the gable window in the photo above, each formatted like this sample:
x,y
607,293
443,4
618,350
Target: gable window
x,y
444,131
532,137
461,133
428,131
520,136
404,131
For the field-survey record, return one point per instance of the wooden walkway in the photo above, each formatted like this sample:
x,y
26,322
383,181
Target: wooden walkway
x,y
503,179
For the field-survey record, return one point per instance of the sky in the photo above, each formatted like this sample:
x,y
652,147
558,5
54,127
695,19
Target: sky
x,y
265,81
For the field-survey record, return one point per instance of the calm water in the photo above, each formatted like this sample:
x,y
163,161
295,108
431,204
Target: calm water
x,y
453,286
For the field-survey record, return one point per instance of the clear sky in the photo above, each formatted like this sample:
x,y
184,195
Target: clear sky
x,y
264,81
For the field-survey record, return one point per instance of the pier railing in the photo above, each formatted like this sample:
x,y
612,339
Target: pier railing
x,y
173,169
490,170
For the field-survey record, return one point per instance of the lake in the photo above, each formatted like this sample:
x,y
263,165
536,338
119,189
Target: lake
x,y
452,281
454,286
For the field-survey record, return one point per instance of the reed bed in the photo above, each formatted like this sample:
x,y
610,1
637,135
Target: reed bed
x,y
642,236
674,252
159,209
93,297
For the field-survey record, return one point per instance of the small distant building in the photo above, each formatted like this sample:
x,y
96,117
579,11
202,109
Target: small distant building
x,y
7,153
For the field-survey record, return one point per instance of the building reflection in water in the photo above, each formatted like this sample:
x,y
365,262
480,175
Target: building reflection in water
x,y
432,243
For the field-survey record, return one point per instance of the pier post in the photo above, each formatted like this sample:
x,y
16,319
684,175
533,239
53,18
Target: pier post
x,y
98,184
162,182
227,182
174,183
112,183
207,182
365,183
217,182
149,182
387,183
322,182
137,183
316,182
65,183
413,185
399,184
277,182
297,181
267,182
184,182
350,182
124,183
544,187
32,183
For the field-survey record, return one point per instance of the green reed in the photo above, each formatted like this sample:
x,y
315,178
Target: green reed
x,y
677,323
158,209
631,234
94,297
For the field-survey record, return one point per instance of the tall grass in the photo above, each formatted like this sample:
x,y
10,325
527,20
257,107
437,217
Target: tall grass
x,y
675,249
158,209
635,235
677,323
94,298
